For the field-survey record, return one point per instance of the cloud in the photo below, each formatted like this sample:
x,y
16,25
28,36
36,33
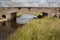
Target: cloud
x,y
22,0
28,0
43,0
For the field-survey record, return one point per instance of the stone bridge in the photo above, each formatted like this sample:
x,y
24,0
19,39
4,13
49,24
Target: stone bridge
x,y
7,12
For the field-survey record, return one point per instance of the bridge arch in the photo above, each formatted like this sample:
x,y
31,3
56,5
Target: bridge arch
x,y
3,16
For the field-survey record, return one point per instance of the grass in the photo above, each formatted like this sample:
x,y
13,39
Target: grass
x,y
38,29
33,13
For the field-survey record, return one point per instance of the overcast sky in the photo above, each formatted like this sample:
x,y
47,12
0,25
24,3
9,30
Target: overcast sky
x,y
28,0
32,0
35,0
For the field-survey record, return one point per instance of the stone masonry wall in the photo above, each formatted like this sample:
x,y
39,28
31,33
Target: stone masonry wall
x,y
51,11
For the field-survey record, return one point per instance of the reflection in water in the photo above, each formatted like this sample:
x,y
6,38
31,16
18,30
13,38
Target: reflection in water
x,y
23,19
6,28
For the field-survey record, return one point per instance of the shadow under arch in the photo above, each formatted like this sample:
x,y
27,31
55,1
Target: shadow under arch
x,y
59,16
43,15
4,16
55,15
13,15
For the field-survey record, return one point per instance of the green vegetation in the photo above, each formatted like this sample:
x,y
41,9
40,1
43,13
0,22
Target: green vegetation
x,y
38,29
33,13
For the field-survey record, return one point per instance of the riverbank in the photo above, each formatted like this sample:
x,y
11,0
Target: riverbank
x,y
38,29
3,19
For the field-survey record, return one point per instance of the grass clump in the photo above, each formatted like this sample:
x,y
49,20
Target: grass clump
x,y
38,29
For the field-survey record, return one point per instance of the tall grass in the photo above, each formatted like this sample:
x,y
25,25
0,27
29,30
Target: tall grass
x,y
38,29
33,13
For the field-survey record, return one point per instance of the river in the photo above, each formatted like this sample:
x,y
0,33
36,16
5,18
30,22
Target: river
x,y
7,28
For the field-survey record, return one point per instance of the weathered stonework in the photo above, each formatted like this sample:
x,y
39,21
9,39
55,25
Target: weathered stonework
x,y
51,11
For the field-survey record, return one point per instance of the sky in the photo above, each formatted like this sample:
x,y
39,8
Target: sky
x,y
35,0
29,0
32,0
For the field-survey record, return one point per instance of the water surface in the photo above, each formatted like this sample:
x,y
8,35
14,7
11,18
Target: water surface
x,y
6,29
25,18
